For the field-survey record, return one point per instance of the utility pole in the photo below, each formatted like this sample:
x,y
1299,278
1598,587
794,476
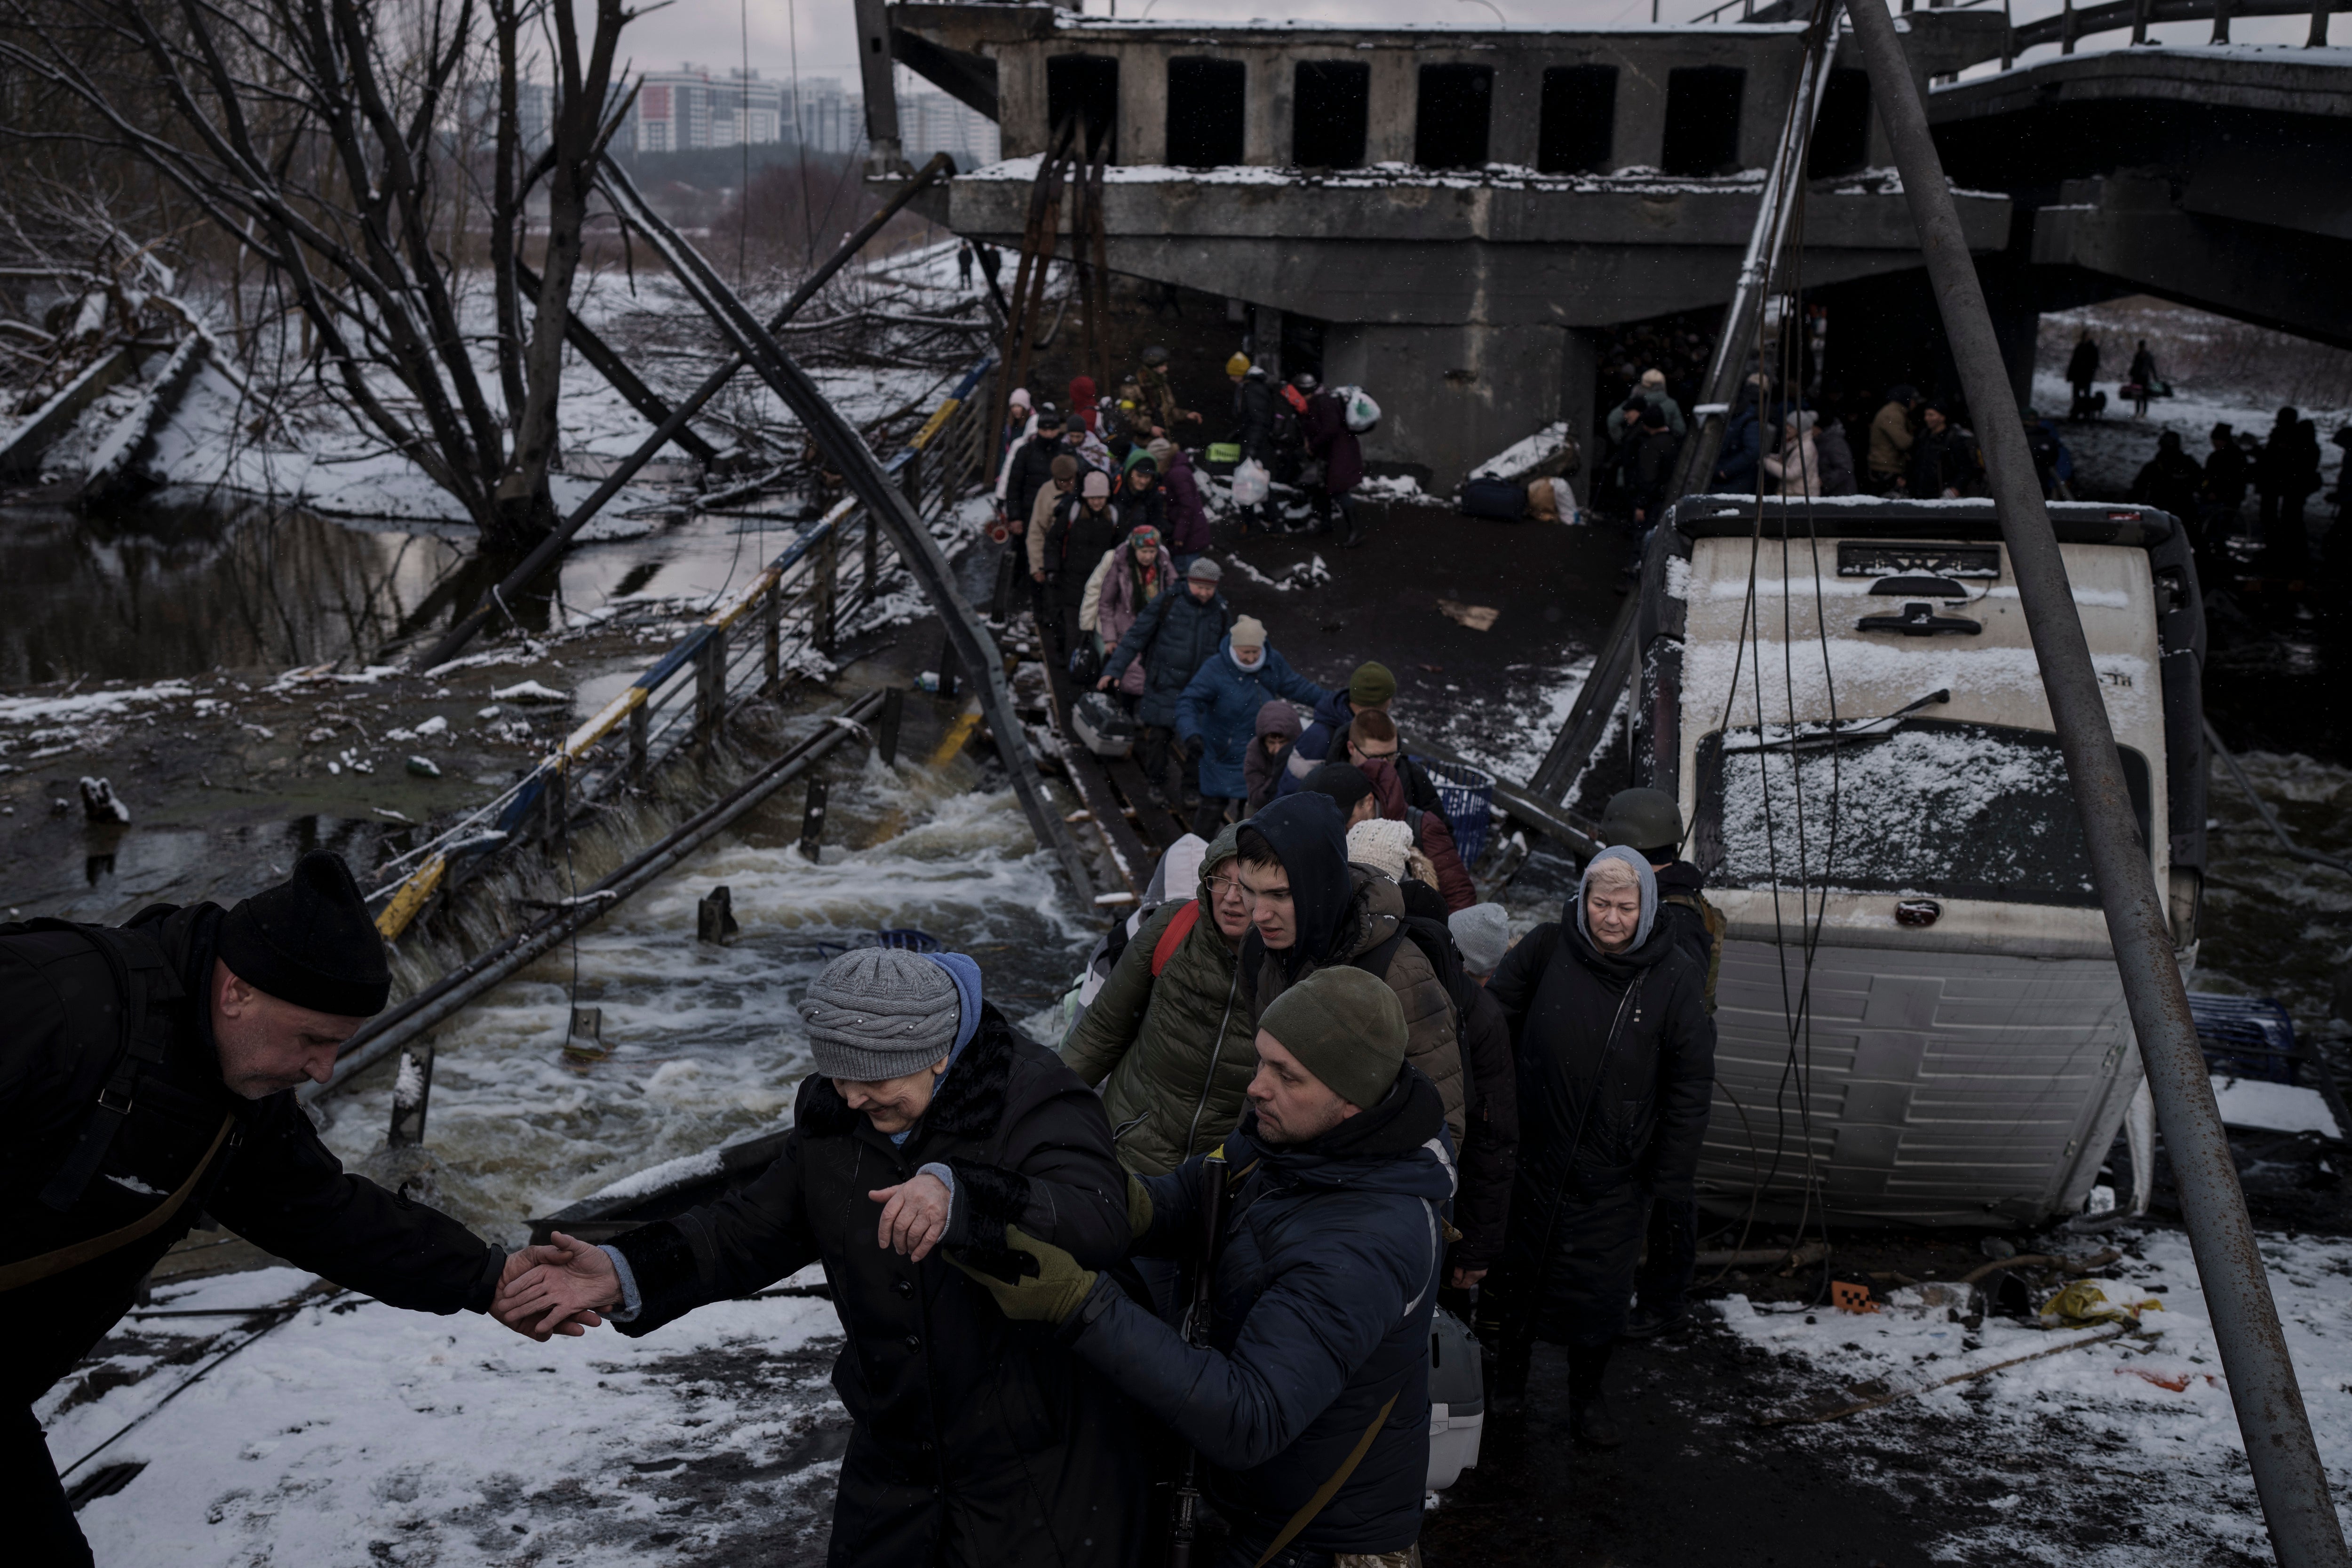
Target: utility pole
x,y
2288,1475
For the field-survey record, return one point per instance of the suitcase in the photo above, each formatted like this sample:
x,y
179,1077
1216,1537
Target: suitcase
x,y
1494,498
1102,725
1457,1401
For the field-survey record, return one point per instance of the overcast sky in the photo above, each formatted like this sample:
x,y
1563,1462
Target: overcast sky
x,y
712,32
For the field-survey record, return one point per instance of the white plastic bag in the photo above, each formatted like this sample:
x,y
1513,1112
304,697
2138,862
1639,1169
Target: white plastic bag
x,y
1362,411
1251,484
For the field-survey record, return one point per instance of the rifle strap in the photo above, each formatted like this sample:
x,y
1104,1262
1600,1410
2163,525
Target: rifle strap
x,y
1330,1489
27,1270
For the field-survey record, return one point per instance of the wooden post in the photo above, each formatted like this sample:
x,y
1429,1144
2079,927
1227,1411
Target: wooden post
x,y
813,821
2319,14
554,807
410,1092
714,918
640,731
910,480
2220,21
2067,29
771,636
886,728
710,683
873,559
827,588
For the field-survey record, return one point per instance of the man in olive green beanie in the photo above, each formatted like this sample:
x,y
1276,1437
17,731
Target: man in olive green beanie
x,y
1309,1400
1372,687
1338,1040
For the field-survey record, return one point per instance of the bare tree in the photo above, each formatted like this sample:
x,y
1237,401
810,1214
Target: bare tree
x,y
317,133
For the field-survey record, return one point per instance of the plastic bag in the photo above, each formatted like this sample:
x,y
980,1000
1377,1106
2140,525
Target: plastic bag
x,y
1361,412
1251,484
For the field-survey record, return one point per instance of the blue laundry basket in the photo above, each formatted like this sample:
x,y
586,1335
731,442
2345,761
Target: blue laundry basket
x,y
2245,1037
1467,796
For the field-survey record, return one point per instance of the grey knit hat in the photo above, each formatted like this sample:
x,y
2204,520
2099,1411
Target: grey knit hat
x,y
1483,932
880,1013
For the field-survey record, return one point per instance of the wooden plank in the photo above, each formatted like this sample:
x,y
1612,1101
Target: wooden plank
x,y
1159,825
1129,853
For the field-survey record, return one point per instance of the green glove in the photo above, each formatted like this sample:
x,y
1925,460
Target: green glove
x,y
1056,1290
1138,1206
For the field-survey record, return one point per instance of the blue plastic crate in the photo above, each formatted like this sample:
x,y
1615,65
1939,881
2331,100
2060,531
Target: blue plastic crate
x,y
1466,794
2245,1036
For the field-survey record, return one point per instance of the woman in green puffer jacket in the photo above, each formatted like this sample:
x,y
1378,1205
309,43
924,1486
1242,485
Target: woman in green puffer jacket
x,y
1172,1054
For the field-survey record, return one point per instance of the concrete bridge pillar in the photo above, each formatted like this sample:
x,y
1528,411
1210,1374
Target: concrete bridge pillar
x,y
1639,134
1454,395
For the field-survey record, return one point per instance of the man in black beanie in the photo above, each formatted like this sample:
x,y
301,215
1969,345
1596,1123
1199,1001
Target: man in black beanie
x,y
146,1078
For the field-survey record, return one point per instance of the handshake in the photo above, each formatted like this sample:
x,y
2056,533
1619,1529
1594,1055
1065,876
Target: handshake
x,y
564,1287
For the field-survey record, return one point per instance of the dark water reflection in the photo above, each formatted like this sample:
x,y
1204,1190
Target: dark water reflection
x,y
166,591
178,592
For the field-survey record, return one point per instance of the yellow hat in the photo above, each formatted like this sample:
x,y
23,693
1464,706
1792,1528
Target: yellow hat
x,y
1238,365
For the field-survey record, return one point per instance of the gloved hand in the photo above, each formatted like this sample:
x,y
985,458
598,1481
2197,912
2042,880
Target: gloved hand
x,y
1054,1292
1193,748
1138,1206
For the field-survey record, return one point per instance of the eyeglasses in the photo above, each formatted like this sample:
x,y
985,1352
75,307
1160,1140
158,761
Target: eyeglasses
x,y
1372,756
1228,884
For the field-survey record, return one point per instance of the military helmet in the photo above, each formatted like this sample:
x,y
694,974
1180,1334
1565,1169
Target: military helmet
x,y
1642,819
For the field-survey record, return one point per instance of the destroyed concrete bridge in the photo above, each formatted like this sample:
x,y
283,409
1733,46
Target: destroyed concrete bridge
x,y
1458,212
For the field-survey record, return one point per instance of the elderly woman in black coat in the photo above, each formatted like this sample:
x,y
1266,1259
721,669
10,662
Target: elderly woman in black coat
x,y
1616,1062
930,1125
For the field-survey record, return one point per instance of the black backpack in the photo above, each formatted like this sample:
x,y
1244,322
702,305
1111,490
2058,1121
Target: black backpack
x,y
1435,939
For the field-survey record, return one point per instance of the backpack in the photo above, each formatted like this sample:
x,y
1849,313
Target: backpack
x,y
1712,918
1178,927
1435,939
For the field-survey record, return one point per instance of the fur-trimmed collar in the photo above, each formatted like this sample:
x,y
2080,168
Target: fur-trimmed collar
x,y
969,1104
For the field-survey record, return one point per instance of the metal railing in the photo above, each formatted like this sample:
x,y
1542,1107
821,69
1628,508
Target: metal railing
x,y
740,653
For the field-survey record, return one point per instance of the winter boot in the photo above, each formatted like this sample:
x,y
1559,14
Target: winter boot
x,y
1648,1322
1590,1419
1352,536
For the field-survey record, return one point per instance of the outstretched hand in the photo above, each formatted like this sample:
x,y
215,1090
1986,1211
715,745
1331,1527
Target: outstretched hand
x,y
915,1215
562,1287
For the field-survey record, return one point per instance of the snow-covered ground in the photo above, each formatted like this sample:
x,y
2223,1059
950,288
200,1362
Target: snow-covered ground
x,y
2109,452
355,1433
2135,1434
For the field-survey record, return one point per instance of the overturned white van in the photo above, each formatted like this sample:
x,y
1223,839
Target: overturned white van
x,y
1918,1014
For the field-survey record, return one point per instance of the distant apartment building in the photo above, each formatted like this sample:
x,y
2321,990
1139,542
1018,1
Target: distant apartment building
x,y
694,106
534,112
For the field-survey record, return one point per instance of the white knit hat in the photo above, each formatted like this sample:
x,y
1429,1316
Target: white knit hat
x,y
1381,845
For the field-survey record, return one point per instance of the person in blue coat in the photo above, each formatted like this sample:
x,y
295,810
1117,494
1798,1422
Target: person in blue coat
x,y
1216,719
1316,1372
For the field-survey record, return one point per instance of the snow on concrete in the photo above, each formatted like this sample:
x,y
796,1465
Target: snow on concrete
x,y
358,1433
2136,1433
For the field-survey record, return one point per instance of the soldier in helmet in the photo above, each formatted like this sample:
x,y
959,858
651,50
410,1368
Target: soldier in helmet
x,y
147,1076
1160,409
1649,821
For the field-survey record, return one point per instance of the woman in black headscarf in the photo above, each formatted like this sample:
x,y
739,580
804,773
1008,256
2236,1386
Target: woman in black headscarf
x,y
1616,1058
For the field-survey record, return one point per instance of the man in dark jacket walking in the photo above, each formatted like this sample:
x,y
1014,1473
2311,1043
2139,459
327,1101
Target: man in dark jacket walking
x,y
930,1123
2082,369
1310,1400
147,1076
2285,475
1175,635
1616,1062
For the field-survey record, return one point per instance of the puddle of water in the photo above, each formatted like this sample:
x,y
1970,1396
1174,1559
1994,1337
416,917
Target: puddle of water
x,y
706,1042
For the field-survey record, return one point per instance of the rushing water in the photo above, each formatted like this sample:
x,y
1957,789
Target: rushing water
x,y
706,1042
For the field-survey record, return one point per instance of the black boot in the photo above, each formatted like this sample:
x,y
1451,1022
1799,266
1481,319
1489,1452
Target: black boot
x,y
1590,1419
1352,536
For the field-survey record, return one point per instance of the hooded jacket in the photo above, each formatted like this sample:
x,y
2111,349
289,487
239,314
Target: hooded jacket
x,y
1636,1024
1262,770
1188,519
1351,916
1077,540
1326,1279
974,1441
270,1180
1111,604
1171,1055
1220,705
